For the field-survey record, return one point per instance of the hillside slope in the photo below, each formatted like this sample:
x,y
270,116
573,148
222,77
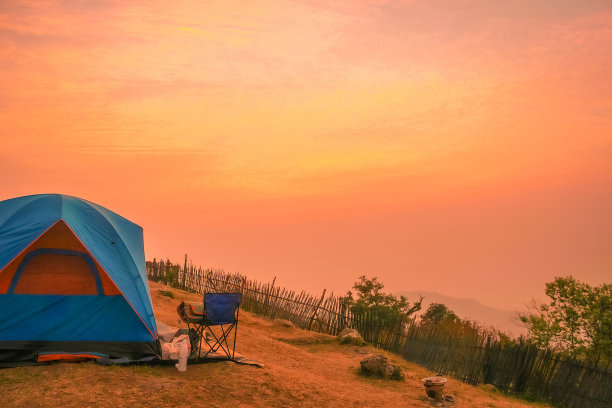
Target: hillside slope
x,y
302,369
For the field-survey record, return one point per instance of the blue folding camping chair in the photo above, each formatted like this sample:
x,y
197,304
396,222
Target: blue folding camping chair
x,y
221,310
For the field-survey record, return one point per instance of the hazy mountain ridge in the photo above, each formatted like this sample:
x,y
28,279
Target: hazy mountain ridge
x,y
504,320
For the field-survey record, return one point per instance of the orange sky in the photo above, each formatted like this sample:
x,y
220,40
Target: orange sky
x,y
461,147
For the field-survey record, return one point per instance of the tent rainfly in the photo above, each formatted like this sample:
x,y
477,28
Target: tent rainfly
x,y
73,283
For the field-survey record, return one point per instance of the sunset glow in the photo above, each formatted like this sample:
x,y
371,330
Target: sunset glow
x,y
460,147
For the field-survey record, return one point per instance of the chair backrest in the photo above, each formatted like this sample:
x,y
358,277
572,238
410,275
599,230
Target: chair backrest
x,y
221,308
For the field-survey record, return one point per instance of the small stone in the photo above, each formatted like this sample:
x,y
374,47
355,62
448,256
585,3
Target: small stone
x,y
351,336
378,366
345,331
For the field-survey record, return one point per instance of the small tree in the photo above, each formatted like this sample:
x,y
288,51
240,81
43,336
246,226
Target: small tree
x,y
439,318
577,321
171,274
597,316
437,313
370,298
543,329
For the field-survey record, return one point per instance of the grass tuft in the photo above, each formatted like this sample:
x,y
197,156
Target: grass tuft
x,y
167,293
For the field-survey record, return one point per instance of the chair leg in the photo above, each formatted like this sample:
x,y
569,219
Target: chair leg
x,y
221,342
215,345
200,346
192,337
223,339
235,335
233,327
195,338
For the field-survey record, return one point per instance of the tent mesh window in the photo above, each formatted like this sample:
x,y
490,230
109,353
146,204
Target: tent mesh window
x,y
56,274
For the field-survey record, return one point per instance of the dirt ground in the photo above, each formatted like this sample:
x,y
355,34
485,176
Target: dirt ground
x,y
301,369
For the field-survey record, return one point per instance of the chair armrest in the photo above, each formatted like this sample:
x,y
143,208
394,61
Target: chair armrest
x,y
190,312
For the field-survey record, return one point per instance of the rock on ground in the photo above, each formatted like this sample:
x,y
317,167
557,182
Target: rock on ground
x,y
378,366
351,336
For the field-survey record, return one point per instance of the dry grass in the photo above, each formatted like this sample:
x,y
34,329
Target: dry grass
x,y
302,369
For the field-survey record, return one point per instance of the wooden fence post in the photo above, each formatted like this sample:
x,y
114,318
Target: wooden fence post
x,y
316,310
269,292
185,273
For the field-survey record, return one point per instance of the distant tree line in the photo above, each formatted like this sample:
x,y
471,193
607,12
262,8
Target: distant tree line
x,y
369,297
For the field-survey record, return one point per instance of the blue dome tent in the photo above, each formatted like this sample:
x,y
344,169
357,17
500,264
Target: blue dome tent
x,y
73,282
